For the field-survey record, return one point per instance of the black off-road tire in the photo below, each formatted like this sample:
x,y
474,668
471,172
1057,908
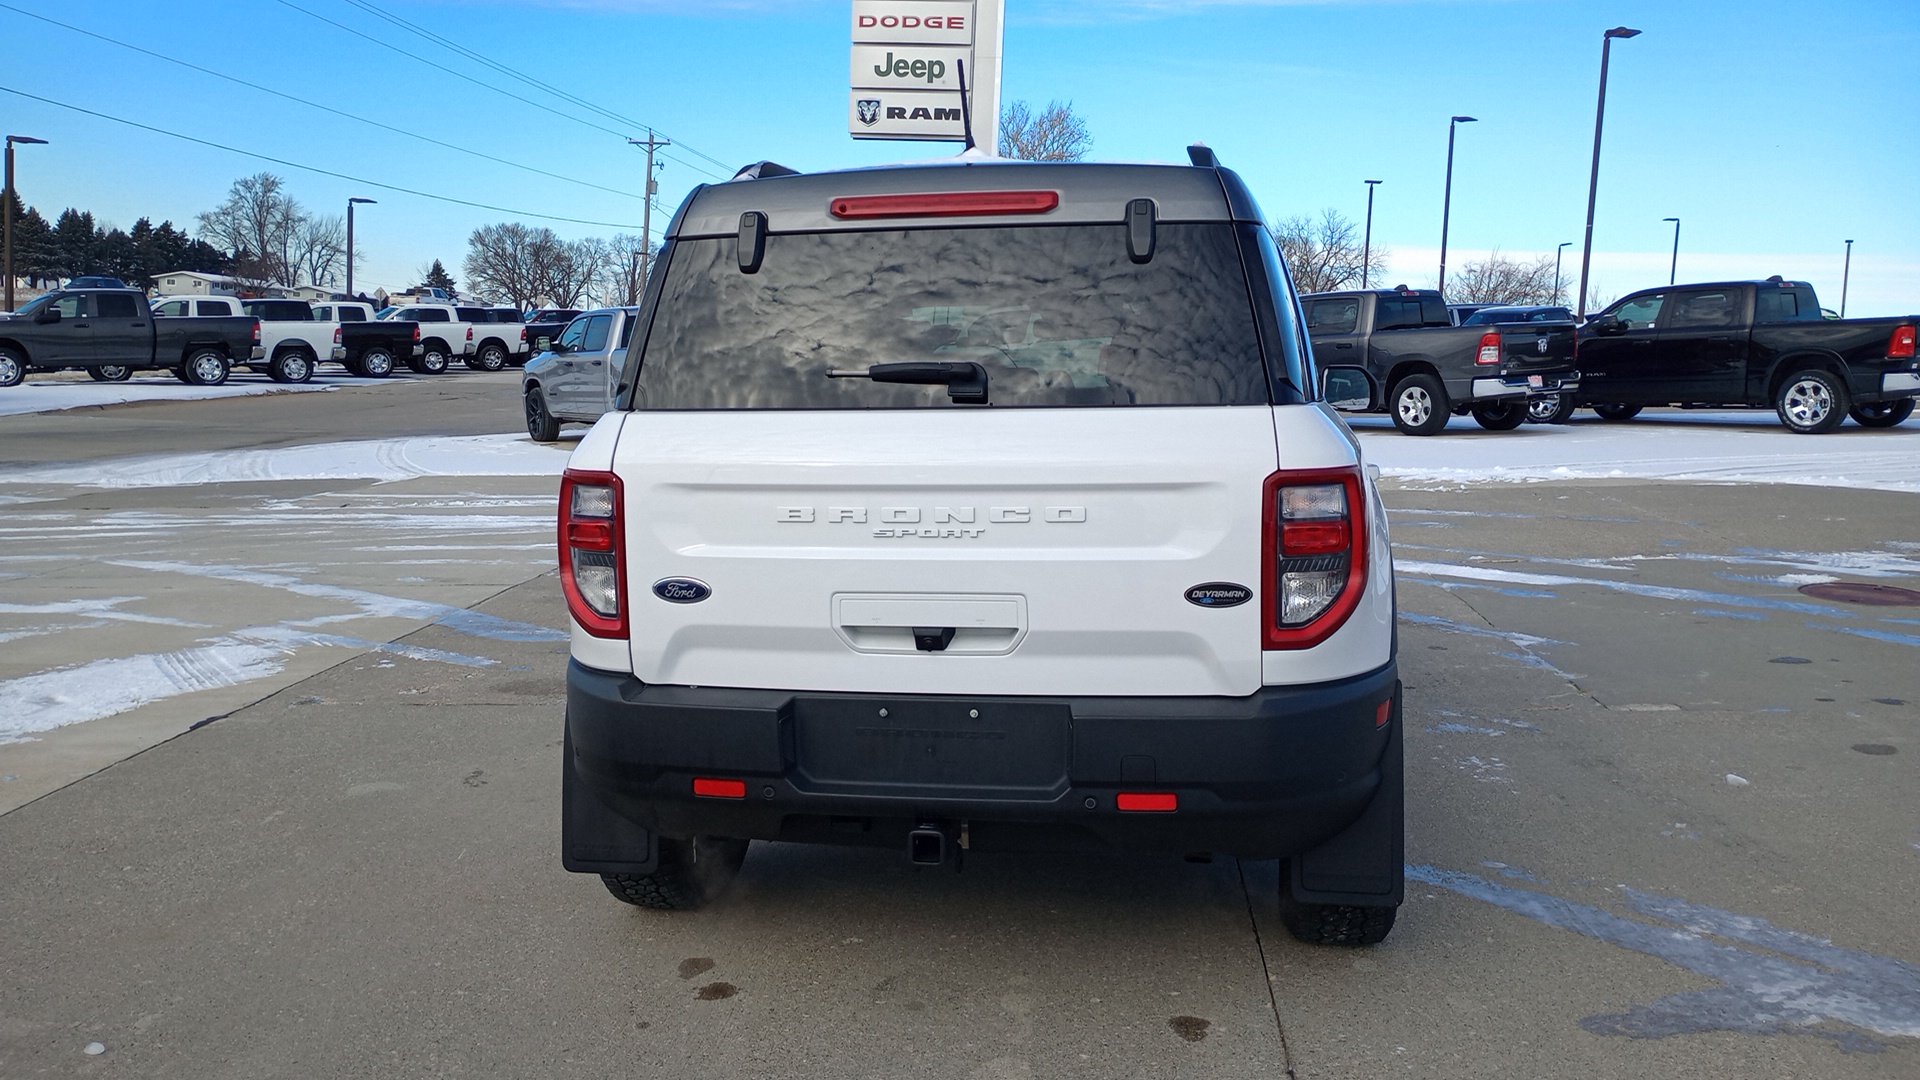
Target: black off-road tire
x,y
1335,924
490,358
1550,410
206,367
542,426
1617,413
1500,415
691,872
13,368
1882,414
1812,402
291,366
1419,405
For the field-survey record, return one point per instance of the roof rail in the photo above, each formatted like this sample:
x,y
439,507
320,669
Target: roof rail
x,y
1202,155
764,170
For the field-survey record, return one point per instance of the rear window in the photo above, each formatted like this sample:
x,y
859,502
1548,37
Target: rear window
x,y
211,307
1057,315
473,314
1326,317
1785,305
508,315
279,310
424,315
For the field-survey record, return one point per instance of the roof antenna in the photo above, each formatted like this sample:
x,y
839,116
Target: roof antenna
x,y
966,111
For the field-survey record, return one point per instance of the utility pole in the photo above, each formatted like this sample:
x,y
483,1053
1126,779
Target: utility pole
x,y
351,203
646,211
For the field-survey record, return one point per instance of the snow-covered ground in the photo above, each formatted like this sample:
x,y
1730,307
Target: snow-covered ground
x,y
367,459
1743,447
35,396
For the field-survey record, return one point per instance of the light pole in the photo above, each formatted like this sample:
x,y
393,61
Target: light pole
x,y
1366,246
1557,252
8,212
1446,206
1593,183
1846,273
351,203
1674,267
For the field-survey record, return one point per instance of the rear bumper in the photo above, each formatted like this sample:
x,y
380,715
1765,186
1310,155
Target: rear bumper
x,y
1891,386
1550,384
1278,773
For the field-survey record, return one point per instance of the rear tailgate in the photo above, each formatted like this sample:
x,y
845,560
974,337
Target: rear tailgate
x,y
1058,544
1535,348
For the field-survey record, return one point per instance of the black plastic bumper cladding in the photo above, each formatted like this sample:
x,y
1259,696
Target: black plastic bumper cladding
x,y
1301,772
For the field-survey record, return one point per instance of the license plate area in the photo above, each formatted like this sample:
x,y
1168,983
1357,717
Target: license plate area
x,y
1536,381
932,748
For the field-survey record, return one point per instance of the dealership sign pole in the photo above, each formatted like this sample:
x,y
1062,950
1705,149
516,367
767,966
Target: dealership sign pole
x,y
910,61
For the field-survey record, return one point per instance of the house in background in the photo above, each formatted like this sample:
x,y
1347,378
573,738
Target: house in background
x,y
195,283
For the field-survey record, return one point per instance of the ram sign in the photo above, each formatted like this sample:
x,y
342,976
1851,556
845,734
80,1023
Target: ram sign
x,y
907,61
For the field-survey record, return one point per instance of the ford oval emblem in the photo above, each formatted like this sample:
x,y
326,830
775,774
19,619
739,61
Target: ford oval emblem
x,y
1219,594
681,590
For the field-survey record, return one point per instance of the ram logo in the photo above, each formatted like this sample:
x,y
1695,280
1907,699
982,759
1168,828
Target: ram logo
x,y
869,109
1541,344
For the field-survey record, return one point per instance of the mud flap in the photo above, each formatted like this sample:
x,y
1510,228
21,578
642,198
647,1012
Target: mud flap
x,y
1363,865
594,839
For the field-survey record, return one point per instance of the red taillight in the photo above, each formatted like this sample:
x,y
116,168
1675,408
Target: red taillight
x,y
1901,346
336,335
256,332
416,331
1489,348
1152,802
1314,555
469,333
593,568
710,788
523,335
945,204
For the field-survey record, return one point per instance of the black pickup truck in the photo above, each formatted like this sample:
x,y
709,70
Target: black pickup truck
x,y
1746,344
1397,351
110,334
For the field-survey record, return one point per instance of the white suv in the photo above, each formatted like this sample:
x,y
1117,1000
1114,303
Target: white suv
x,y
979,506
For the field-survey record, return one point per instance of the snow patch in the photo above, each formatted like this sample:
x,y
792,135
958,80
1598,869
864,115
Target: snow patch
x,y
371,459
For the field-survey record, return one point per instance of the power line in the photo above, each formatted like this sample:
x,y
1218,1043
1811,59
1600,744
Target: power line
x,y
314,168
314,104
513,73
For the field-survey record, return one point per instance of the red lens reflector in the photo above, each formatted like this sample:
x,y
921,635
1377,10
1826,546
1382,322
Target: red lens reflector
x,y
1383,714
1901,347
590,535
719,789
945,204
1152,802
1313,537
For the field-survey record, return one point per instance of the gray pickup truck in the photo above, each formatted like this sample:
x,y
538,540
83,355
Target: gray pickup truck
x,y
110,334
578,377
1397,351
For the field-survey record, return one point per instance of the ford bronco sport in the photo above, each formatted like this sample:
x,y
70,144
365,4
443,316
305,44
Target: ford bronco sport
x,y
979,506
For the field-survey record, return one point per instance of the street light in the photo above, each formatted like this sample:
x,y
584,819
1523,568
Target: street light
x,y
1557,252
8,212
1366,246
351,203
1593,184
1446,206
1844,275
1674,267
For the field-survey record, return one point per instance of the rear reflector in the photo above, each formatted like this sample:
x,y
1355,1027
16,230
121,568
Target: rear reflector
x,y
945,204
719,789
1152,802
1901,345
1383,714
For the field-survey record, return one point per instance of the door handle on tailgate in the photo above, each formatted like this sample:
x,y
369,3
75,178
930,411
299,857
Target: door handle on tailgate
x,y
894,622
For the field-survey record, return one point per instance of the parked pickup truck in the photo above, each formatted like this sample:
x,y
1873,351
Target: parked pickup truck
x,y
290,341
578,379
367,347
499,337
1397,351
446,332
110,334
547,323
1747,344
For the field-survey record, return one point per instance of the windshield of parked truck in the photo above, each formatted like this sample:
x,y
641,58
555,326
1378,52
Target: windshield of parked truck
x,y
1056,315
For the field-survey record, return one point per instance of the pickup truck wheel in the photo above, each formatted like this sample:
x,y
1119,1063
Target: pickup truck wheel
x,y
489,358
432,362
1419,404
691,872
375,363
1332,924
1879,414
541,424
1617,412
291,366
1812,402
1500,415
110,373
207,367
13,368
1550,410
181,374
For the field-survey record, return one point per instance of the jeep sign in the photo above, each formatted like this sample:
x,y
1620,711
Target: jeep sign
x,y
910,67
908,57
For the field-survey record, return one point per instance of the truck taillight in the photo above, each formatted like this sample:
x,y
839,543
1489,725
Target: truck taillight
x,y
469,333
1314,555
523,335
256,331
336,335
1489,348
416,331
593,571
1901,345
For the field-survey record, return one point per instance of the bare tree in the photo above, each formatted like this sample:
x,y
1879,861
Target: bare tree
x,y
621,283
319,249
1498,279
257,226
1324,254
510,262
1055,135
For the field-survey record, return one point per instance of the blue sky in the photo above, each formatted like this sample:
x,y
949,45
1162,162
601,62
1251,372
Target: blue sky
x,y
1775,131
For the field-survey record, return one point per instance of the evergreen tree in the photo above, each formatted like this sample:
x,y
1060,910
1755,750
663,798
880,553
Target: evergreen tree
x,y
76,243
438,278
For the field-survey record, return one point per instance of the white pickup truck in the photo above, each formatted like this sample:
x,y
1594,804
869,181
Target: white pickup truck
x,y
291,342
1040,539
449,331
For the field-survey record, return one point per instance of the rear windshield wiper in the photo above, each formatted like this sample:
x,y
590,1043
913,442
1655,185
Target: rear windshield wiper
x,y
965,382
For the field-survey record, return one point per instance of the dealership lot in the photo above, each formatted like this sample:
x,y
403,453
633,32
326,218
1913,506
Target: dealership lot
x,y
1663,810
